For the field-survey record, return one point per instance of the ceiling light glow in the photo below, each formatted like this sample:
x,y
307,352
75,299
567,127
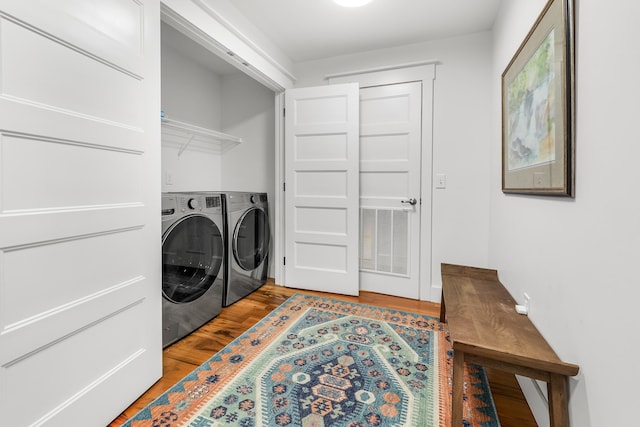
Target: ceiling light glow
x,y
352,3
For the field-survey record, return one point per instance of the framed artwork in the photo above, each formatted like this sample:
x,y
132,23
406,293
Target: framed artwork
x,y
538,108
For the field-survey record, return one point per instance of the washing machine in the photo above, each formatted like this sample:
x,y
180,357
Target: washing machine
x,y
248,238
193,264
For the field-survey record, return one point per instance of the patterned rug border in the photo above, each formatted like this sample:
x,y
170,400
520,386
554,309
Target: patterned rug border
x,y
314,301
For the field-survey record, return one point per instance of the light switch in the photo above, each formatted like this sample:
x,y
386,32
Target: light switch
x,y
441,180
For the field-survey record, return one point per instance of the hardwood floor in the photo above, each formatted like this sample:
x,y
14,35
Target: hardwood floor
x,y
187,354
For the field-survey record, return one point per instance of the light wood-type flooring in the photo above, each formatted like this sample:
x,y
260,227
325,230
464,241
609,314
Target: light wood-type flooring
x,y
187,354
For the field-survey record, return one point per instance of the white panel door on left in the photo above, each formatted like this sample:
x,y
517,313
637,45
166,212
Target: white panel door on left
x,y
321,162
80,301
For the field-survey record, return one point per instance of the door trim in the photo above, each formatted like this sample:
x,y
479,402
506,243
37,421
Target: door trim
x,y
359,73
279,207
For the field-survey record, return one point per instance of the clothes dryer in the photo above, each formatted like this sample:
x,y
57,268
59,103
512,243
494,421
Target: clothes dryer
x,y
193,263
248,238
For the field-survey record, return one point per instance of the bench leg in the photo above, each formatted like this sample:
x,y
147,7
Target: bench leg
x,y
458,389
557,394
443,309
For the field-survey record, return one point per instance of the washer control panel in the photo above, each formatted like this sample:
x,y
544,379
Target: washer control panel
x,y
193,204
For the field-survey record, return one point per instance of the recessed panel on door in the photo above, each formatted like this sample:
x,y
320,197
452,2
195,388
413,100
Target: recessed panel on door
x,y
321,184
113,32
321,257
321,147
127,13
381,148
321,110
82,174
55,362
384,184
321,220
385,109
40,70
84,277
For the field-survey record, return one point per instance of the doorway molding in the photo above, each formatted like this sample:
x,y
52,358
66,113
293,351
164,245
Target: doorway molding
x,y
409,68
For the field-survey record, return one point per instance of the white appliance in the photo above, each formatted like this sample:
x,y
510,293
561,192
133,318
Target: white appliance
x,y
193,262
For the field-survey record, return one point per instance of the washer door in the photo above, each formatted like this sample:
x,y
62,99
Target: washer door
x,y
251,239
192,252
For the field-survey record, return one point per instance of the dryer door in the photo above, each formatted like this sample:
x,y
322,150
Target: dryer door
x,y
251,239
192,252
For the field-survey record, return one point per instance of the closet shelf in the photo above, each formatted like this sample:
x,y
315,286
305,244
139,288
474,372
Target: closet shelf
x,y
188,133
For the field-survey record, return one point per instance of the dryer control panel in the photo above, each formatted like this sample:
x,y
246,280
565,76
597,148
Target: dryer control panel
x,y
200,203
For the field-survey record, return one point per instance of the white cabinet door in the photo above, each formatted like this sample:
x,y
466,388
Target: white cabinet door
x,y
322,194
80,283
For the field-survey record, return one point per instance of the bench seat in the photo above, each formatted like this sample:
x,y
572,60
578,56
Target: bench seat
x,y
485,329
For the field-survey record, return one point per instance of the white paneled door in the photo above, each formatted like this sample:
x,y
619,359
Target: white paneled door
x,y
322,192
390,141
80,277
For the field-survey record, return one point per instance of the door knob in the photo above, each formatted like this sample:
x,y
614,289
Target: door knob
x,y
412,201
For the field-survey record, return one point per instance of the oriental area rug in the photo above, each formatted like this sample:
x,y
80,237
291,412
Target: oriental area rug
x,y
316,362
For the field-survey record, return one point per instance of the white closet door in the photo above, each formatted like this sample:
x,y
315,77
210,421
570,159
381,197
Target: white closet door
x,y
322,194
80,301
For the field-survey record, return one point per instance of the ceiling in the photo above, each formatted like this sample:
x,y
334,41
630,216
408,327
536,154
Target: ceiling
x,y
313,29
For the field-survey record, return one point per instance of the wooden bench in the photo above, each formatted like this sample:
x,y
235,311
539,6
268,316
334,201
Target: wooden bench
x,y
485,329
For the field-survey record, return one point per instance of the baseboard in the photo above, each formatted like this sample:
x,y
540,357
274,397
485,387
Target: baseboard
x,y
435,294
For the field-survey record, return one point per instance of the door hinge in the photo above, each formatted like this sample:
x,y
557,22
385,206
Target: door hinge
x,y
284,112
284,260
284,186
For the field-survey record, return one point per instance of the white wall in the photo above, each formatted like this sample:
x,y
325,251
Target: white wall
x,y
462,125
577,259
190,93
249,112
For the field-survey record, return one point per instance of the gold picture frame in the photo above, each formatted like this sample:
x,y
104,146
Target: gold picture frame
x,y
538,108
